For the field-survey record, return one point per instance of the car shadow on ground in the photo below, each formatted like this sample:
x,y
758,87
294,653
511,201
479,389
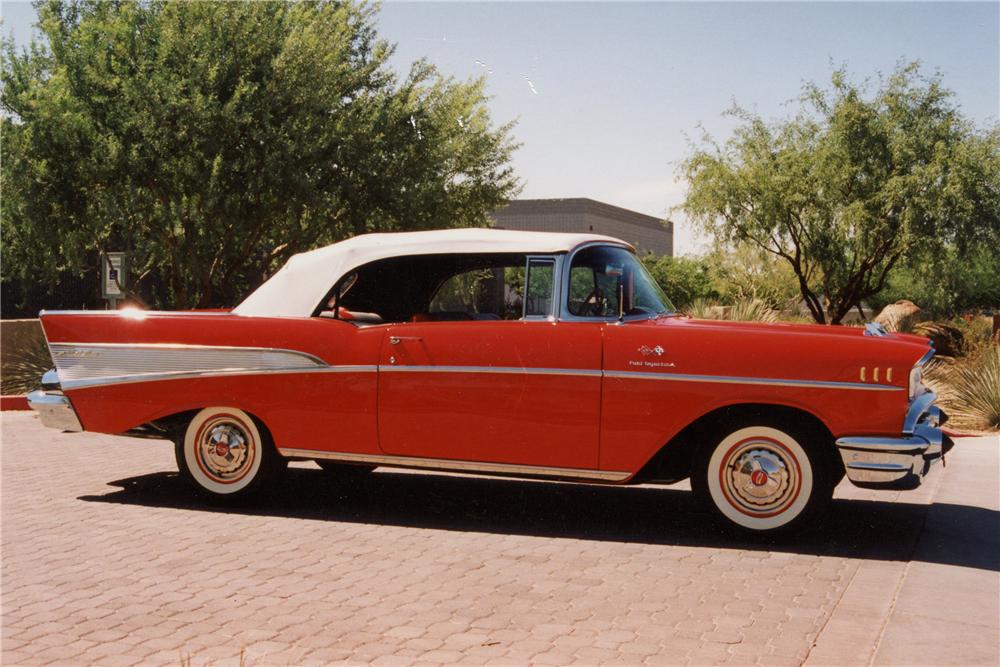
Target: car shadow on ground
x,y
662,515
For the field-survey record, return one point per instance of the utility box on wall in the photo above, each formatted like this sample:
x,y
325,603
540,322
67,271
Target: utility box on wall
x,y
113,277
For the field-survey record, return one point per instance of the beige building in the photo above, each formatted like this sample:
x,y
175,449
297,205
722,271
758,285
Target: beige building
x,y
645,232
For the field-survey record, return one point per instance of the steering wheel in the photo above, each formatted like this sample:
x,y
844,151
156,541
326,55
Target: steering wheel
x,y
595,304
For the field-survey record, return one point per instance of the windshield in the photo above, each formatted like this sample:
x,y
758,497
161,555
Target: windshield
x,y
606,281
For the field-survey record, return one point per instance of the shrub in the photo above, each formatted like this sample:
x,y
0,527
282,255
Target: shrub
x,y
955,283
970,388
705,309
752,310
747,310
23,369
742,272
683,279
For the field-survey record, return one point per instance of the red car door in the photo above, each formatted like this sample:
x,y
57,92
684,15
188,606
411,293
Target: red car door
x,y
522,392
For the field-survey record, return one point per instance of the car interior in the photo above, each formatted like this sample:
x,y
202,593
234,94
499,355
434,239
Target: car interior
x,y
431,288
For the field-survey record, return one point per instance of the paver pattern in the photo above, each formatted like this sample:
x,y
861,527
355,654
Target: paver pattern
x,y
108,559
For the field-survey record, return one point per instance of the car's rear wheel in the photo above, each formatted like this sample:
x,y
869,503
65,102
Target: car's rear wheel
x,y
764,478
225,452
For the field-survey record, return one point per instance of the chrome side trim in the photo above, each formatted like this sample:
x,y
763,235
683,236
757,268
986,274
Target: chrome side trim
x,y
132,313
54,411
184,347
87,364
159,377
82,365
726,379
457,465
499,370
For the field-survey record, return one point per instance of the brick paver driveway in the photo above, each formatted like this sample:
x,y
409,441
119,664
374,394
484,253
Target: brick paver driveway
x,y
108,559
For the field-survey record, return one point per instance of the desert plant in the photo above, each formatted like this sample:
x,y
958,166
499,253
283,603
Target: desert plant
x,y
978,333
752,310
24,367
745,310
970,389
705,309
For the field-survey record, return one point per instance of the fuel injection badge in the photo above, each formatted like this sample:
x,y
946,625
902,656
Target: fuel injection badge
x,y
648,351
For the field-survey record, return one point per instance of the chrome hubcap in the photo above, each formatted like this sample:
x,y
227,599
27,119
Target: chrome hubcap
x,y
225,451
758,477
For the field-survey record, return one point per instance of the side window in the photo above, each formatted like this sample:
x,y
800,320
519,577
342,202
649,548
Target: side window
x,y
538,295
493,293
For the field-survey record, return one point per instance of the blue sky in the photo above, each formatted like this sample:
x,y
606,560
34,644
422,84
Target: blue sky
x,y
607,96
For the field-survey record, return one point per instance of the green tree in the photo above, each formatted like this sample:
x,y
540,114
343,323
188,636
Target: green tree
x,y
961,283
682,279
211,140
852,185
746,273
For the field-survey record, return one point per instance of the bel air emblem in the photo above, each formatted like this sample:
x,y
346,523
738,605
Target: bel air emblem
x,y
646,350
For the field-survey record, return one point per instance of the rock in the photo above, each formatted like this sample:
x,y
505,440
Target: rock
x,y
896,314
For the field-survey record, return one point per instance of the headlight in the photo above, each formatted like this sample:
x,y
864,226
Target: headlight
x,y
916,375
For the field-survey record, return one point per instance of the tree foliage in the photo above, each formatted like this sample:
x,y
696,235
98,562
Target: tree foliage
x,y
747,273
960,283
211,140
852,185
682,279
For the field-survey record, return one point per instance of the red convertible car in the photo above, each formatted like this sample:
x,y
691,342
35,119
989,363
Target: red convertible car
x,y
505,353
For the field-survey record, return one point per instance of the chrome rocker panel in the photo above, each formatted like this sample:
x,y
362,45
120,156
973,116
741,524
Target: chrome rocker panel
x,y
898,463
454,465
54,410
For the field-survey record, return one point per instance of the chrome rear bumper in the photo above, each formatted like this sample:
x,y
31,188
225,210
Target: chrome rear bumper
x,y
898,463
54,410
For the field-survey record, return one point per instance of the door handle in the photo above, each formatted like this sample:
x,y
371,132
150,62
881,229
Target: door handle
x,y
396,340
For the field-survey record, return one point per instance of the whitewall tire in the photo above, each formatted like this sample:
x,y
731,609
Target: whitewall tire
x,y
760,478
223,452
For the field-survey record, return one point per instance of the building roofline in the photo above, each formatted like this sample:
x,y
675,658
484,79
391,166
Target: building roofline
x,y
587,205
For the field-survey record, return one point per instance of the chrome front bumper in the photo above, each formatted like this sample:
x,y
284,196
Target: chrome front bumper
x,y
898,463
55,410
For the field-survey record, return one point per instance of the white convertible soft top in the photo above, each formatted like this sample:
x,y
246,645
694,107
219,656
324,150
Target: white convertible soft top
x,y
306,278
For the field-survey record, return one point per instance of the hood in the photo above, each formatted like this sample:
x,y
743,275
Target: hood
x,y
719,347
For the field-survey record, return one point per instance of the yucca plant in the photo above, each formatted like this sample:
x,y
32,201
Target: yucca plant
x,y
745,310
704,309
752,310
24,367
970,389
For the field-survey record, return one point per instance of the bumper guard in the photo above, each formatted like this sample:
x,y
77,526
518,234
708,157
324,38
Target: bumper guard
x,y
899,463
54,410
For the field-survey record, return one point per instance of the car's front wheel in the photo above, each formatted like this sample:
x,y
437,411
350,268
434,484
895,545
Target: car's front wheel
x,y
763,478
224,452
